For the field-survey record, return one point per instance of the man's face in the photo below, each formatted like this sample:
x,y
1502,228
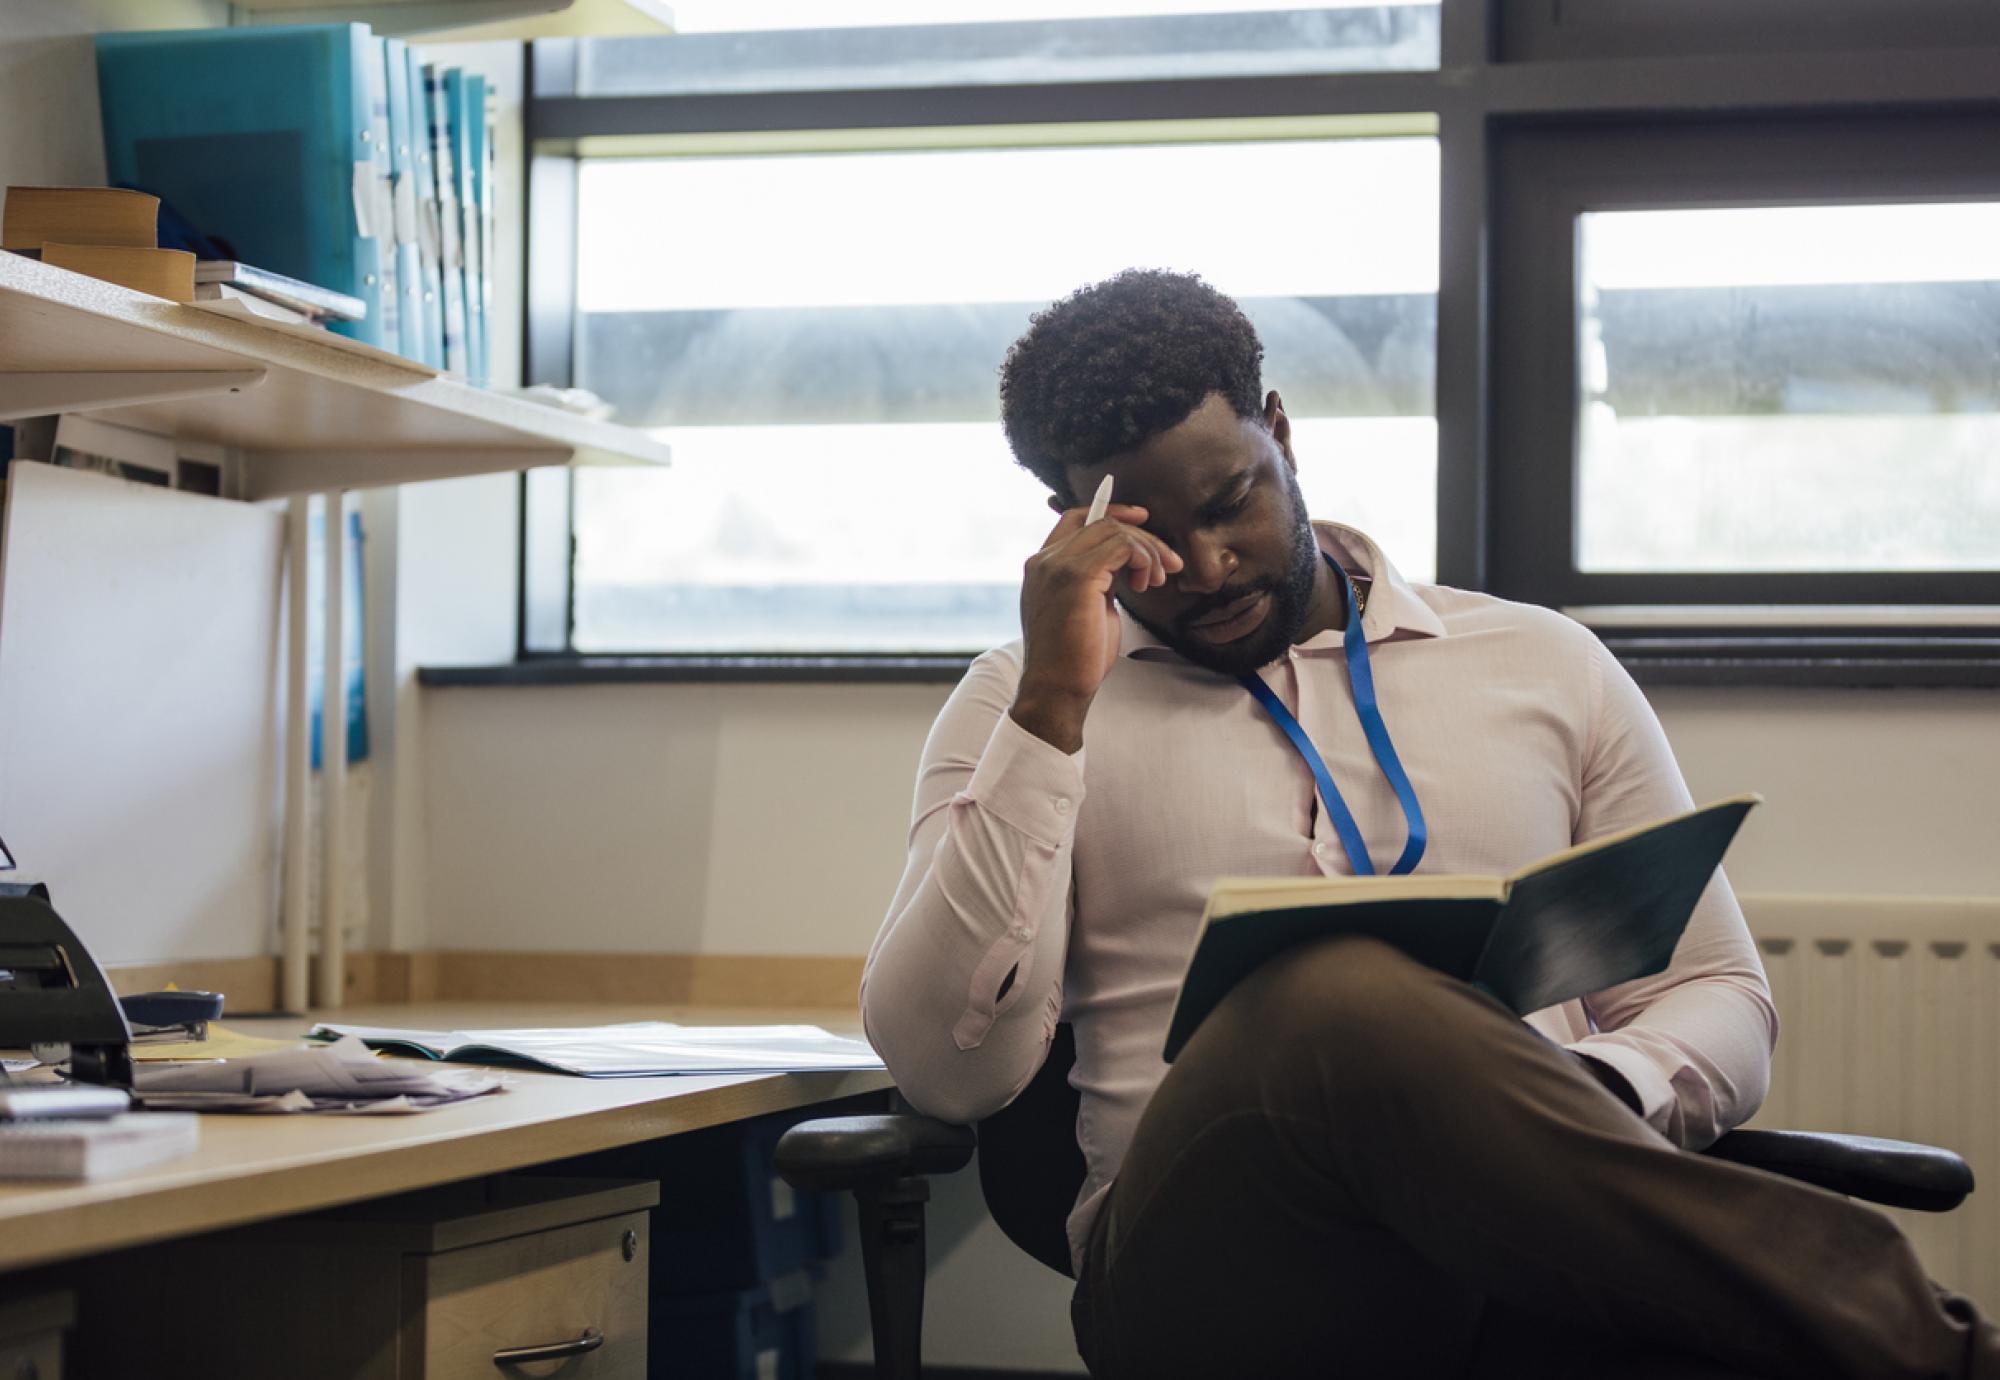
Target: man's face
x,y
1220,489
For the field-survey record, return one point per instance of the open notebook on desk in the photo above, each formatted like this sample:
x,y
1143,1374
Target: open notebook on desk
x,y
633,1050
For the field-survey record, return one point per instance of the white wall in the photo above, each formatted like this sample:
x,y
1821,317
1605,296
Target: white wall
x,y
770,819
136,887
688,819
442,571
48,81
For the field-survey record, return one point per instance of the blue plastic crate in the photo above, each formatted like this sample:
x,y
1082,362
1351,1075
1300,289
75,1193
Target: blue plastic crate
x,y
762,1333
726,1220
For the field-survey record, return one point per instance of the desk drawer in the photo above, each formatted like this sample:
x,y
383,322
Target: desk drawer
x,y
555,1290
31,1335
422,1286
38,1357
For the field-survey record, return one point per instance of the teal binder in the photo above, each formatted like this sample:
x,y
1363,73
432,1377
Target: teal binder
x,y
380,222
452,261
459,121
255,135
429,254
478,152
403,199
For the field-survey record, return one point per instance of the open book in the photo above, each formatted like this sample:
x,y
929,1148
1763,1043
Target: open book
x,y
1588,918
636,1049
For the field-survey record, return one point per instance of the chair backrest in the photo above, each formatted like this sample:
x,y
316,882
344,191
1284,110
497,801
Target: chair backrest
x,y
1030,1165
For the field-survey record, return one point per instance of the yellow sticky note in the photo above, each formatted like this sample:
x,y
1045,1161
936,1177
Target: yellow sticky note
x,y
222,1043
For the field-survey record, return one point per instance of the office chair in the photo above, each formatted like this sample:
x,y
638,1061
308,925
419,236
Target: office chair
x,y
1030,1168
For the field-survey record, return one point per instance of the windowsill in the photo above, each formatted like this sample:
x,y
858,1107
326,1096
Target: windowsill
x,y
1823,655
1750,654
823,669
1898,619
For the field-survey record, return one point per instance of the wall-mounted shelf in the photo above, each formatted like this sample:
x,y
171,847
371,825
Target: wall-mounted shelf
x,y
307,416
460,20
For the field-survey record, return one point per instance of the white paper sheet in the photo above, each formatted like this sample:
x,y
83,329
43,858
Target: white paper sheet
x,y
635,1049
342,1077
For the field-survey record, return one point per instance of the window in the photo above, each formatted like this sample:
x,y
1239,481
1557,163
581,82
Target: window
x,y
1675,312
820,347
1749,364
1803,388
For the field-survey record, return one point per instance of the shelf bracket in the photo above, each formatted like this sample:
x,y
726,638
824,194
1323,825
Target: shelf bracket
x,y
76,390
279,474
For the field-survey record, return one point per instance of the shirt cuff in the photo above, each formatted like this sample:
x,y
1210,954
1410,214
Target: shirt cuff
x,y
1033,785
1655,1090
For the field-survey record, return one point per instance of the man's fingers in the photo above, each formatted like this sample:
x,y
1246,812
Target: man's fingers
x,y
1107,547
1073,519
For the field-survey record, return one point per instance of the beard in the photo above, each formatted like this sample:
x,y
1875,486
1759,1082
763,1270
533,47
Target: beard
x,y
1291,595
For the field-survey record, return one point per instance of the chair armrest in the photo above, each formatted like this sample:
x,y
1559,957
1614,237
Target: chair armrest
x,y
1896,1173
844,1152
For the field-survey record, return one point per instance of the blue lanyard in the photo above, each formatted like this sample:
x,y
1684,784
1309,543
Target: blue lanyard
x,y
1362,679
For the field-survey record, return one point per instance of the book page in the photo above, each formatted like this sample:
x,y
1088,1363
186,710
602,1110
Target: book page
x,y
1236,895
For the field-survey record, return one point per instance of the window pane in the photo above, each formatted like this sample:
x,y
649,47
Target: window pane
x,y
1790,389
888,45
821,348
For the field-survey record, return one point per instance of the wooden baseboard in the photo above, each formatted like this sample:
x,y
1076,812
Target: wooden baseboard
x,y
252,984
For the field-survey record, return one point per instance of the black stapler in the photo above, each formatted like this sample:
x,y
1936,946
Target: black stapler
x,y
54,999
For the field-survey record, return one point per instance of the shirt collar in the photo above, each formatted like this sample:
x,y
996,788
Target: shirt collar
x,y
1392,605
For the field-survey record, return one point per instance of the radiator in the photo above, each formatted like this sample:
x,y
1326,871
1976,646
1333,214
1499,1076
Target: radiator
x,y
1889,1025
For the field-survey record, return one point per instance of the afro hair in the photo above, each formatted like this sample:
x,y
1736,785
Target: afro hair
x,y
1118,362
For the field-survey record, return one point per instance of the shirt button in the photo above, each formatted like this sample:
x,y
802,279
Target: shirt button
x,y
1319,850
1023,932
1062,804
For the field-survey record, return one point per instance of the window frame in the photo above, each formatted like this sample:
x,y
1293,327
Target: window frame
x,y
1549,176
1489,112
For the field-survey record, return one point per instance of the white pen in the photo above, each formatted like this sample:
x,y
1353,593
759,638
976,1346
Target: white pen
x,y
1100,502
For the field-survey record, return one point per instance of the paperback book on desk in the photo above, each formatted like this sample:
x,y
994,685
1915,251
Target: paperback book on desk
x,y
1588,918
634,1050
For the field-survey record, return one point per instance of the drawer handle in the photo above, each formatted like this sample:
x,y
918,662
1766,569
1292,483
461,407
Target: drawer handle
x,y
550,1351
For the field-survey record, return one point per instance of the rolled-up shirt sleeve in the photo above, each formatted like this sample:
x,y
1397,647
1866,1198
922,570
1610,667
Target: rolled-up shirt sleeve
x,y
1694,1040
963,984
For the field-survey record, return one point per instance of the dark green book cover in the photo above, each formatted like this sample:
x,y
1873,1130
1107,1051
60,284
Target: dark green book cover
x,y
1588,918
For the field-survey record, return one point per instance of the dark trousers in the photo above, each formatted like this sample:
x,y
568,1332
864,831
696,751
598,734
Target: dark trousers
x,y
1360,1167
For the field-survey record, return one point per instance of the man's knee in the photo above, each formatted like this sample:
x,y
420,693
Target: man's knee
x,y
1347,988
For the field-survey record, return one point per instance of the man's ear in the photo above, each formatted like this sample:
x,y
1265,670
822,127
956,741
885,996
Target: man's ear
x,y
1279,425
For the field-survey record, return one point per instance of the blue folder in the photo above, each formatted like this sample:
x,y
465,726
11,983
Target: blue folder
x,y
404,200
354,634
381,218
430,248
438,88
459,121
478,154
255,134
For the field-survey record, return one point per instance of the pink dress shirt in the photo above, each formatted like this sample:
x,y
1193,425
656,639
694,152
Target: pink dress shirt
x,y
1084,876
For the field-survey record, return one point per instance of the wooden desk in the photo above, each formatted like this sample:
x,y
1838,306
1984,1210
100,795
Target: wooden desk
x,y
254,1167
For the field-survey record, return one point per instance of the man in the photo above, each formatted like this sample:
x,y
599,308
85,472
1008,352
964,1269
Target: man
x,y
1357,1166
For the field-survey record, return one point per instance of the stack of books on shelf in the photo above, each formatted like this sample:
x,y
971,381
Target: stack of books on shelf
x,y
111,233
323,153
103,232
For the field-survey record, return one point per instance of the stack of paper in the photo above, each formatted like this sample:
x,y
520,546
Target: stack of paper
x,y
342,1077
636,1049
94,1147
